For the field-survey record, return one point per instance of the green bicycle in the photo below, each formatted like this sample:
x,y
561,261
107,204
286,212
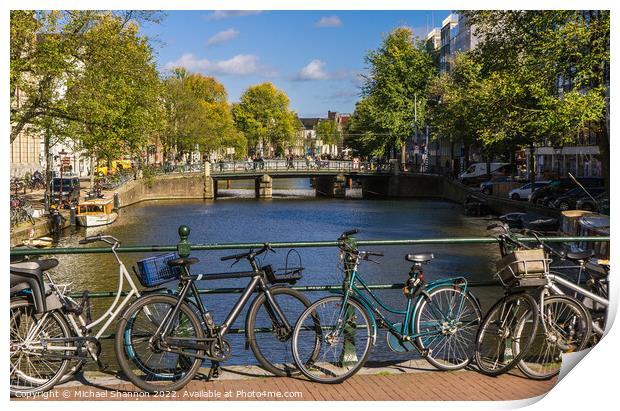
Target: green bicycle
x,y
333,337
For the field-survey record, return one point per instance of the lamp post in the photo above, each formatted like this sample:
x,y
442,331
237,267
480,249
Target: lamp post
x,y
62,155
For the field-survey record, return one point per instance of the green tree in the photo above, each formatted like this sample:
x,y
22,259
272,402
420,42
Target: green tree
x,y
399,73
199,115
363,132
116,92
454,103
264,117
327,130
525,55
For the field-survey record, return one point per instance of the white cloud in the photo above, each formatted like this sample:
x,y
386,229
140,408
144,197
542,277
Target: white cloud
x,y
239,65
226,14
315,70
329,21
222,37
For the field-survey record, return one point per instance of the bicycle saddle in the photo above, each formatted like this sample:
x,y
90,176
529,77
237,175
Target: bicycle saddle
x,y
29,275
33,267
580,255
186,261
420,257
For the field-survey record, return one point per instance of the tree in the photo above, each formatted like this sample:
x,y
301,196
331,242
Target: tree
x,y
327,130
199,115
363,132
547,72
454,102
264,117
116,92
399,73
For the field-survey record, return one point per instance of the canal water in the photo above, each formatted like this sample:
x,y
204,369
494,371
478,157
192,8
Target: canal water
x,y
296,215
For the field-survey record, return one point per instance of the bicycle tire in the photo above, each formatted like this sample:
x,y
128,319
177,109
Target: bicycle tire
x,y
292,312
520,304
324,367
37,384
456,334
544,363
126,347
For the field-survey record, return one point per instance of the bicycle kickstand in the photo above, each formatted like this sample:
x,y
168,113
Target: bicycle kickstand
x,y
214,372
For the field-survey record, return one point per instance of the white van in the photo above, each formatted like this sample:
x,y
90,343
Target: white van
x,y
477,172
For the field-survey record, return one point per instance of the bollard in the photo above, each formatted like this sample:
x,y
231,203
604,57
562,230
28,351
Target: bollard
x,y
117,201
72,215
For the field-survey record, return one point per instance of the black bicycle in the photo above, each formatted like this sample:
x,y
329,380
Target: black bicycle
x,y
162,339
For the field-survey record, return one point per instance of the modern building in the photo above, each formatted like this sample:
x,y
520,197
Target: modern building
x,y
448,31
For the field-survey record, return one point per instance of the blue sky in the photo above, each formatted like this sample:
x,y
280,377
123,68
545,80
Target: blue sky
x,y
314,56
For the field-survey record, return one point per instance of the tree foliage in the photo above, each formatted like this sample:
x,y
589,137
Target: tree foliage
x,y
198,115
546,75
398,71
327,130
264,116
116,90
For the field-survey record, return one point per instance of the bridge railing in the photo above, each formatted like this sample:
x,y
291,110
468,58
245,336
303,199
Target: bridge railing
x,y
297,165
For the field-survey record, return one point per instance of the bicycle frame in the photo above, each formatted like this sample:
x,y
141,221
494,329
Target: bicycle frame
x,y
257,280
551,285
409,312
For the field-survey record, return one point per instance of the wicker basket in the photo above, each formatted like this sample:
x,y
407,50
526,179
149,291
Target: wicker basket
x,y
523,268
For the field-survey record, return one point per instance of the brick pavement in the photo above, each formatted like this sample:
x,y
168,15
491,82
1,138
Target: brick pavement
x,y
417,386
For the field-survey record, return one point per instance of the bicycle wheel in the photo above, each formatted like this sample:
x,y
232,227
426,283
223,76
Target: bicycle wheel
x,y
446,321
147,363
266,332
568,328
497,335
345,339
32,369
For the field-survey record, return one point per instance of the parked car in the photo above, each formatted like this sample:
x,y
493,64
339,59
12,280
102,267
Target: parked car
x,y
601,205
70,189
525,190
545,195
487,186
568,201
477,173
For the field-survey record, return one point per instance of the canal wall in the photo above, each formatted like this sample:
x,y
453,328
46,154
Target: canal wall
x,y
436,186
166,187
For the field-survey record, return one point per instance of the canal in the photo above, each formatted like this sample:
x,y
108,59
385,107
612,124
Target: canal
x,y
293,215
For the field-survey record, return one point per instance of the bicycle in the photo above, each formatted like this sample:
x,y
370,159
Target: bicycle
x,y
174,334
545,363
49,329
440,319
521,331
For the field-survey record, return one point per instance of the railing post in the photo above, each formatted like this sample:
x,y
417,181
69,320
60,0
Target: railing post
x,y
349,354
184,246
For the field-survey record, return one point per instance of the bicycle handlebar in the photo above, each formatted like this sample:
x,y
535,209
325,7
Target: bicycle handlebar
x,y
349,233
105,238
250,254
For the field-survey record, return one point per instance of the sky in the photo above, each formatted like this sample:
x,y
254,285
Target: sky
x,y
315,57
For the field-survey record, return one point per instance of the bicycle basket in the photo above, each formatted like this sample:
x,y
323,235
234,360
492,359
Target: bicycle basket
x,y
523,268
289,274
154,271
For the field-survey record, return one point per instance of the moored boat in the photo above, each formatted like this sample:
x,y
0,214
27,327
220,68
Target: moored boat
x,y
96,212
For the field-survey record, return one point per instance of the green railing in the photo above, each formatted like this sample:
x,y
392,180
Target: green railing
x,y
184,248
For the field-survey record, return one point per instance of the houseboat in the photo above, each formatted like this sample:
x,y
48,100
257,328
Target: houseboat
x,y
96,212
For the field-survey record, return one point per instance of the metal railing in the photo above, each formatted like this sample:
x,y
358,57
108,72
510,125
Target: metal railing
x,y
277,165
184,248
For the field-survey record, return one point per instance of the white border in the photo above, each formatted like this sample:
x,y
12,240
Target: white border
x,y
590,385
